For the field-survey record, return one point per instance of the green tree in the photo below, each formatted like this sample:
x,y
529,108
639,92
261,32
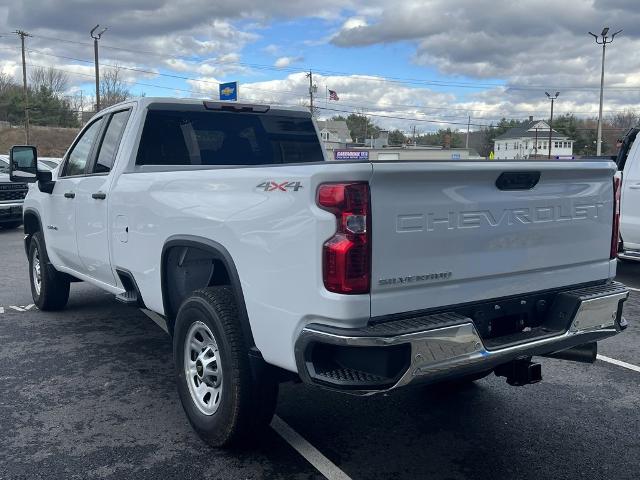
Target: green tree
x,y
445,138
361,127
396,137
45,106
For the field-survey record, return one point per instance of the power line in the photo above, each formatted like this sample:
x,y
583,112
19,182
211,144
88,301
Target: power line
x,y
413,81
289,104
300,94
357,112
404,118
280,92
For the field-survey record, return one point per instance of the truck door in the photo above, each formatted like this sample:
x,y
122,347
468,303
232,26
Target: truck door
x,y
92,229
630,210
60,228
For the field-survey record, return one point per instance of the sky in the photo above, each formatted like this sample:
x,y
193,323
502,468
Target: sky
x,y
429,64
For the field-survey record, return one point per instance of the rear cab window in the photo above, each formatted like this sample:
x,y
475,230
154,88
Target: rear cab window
x,y
197,136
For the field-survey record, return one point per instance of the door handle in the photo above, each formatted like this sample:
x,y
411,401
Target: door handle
x,y
635,186
99,195
69,195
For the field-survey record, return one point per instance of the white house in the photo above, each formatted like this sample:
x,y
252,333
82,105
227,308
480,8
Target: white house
x,y
531,141
334,133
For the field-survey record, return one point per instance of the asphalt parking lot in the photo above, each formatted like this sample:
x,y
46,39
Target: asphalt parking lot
x,y
89,393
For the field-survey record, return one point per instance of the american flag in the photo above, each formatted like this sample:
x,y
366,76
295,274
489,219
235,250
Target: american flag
x,y
333,95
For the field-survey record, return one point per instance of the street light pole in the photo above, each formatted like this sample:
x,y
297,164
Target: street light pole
x,y
96,37
604,41
552,97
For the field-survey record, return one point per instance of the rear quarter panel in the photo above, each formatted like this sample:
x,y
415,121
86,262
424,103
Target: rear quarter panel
x,y
274,237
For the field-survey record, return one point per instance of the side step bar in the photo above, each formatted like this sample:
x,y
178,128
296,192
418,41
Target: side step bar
x,y
131,295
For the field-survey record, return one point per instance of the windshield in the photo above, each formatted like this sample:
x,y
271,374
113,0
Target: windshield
x,y
4,166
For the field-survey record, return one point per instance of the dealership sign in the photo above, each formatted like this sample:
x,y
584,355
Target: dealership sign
x,y
351,154
229,91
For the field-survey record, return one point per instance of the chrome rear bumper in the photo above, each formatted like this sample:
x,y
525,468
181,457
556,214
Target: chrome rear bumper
x,y
455,349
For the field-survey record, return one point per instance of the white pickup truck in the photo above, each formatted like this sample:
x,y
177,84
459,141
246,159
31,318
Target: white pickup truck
x,y
628,160
270,263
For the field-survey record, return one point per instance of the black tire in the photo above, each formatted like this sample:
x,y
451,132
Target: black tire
x,y
54,286
11,225
246,403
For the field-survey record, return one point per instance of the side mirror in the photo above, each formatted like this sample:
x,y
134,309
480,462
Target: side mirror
x,y
23,164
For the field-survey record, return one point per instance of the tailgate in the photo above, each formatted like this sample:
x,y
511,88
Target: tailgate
x,y
445,234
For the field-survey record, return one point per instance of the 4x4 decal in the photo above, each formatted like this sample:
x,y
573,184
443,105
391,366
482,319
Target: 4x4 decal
x,y
271,186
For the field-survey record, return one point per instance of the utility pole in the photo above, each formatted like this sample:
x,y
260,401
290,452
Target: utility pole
x,y
468,125
414,135
552,98
22,36
604,42
96,37
312,89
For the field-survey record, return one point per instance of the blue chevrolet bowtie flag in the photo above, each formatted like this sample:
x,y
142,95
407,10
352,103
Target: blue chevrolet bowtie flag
x,y
229,91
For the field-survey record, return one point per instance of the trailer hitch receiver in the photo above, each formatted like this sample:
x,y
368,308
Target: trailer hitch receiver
x,y
519,372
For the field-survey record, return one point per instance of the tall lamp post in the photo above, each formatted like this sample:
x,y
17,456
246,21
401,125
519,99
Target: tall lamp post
x,y
552,98
603,40
96,37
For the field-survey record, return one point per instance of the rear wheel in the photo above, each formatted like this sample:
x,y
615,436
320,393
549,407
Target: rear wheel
x,y
49,288
223,400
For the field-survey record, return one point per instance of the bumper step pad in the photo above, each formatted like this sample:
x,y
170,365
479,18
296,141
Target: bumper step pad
x,y
439,346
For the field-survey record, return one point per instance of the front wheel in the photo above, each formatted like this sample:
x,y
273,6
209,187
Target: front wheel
x,y
224,402
49,288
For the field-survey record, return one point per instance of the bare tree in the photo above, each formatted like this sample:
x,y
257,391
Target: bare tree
x,y
6,83
52,79
113,88
624,120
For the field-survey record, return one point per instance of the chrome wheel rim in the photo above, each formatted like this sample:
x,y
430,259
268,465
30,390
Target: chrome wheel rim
x,y
202,368
36,271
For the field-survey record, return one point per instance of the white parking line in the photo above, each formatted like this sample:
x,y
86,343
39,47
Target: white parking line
x,y
17,308
325,466
619,363
634,289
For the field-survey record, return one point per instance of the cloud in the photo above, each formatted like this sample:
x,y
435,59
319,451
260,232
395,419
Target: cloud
x,y
494,58
528,46
353,23
283,62
272,49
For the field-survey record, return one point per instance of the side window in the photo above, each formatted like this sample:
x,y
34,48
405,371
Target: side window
x,y
79,155
111,142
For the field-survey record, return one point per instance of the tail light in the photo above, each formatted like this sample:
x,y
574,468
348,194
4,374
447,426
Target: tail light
x,y
615,231
346,257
